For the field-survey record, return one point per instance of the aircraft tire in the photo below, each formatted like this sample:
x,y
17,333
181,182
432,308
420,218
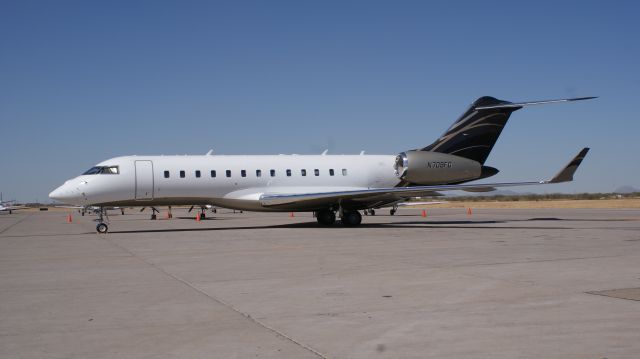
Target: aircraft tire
x,y
203,215
351,218
326,217
153,217
102,228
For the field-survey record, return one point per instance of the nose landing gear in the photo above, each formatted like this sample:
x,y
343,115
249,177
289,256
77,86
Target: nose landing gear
x,y
102,227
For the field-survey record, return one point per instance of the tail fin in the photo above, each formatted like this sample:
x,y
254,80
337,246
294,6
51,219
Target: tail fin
x,y
475,133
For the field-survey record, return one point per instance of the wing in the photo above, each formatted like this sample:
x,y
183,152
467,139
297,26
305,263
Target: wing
x,y
363,198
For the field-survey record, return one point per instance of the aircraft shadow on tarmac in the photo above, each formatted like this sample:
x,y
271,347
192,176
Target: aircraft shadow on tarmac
x,y
467,224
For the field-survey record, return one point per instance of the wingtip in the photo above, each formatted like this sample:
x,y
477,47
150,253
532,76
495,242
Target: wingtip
x,y
566,174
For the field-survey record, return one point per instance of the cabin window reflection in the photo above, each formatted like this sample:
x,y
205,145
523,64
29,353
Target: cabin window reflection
x,y
213,173
111,170
344,171
166,174
316,172
303,172
197,173
331,173
272,173
182,174
243,173
258,173
228,173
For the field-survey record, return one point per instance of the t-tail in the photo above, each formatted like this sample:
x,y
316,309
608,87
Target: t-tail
x,y
475,133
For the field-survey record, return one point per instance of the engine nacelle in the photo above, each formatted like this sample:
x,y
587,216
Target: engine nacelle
x,y
427,168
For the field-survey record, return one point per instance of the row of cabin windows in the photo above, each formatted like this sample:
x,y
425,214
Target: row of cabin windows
x,y
243,173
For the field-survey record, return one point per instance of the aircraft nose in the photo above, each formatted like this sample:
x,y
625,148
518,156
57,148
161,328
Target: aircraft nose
x,y
64,194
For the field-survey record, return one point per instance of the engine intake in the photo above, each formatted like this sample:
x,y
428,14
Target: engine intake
x,y
426,168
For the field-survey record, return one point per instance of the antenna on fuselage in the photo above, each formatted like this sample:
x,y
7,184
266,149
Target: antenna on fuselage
x,y
210,152
324,152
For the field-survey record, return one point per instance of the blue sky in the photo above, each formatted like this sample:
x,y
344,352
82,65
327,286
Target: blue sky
x,y
83,81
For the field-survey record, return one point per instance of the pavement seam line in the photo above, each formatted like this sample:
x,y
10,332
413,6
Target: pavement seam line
x,y
15,224
219,301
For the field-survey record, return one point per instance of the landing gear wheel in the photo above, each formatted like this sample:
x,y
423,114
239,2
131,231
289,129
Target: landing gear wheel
x,y
153,217
326,218
372,212
102,228
392,212
203,215
351,218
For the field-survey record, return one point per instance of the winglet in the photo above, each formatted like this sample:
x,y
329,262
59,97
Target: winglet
x,y
566,175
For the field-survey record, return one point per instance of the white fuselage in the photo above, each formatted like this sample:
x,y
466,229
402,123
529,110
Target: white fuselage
x,y
225,181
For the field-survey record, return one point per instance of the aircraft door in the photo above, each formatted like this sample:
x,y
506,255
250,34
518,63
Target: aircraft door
x,y
144,180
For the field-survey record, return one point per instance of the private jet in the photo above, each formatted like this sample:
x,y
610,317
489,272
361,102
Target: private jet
x,y
9,207
328,185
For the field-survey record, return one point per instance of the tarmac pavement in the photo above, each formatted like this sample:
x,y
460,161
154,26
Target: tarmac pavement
x,y
553,283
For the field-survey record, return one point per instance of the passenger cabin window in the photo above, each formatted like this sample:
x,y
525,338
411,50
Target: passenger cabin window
x,y
258,173
228,173
103,170
243,173
272,173
166,174
331,173
344,171
181,174
316,172
213,173
197,173
288,173
303,172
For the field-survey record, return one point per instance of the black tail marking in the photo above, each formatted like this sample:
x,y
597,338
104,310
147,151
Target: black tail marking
x,y
475,133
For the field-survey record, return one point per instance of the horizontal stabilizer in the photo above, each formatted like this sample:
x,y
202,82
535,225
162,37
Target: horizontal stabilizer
x,y
566,175
531,103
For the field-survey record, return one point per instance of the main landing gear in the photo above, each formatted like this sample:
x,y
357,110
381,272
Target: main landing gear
x,y
326,217
349,218
393,210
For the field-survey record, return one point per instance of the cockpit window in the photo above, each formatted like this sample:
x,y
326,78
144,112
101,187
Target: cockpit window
x,y
98,170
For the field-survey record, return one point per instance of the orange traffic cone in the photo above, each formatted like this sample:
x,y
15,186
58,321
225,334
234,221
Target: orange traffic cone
x,y
69,218
424,213
291,215
469,211
198,217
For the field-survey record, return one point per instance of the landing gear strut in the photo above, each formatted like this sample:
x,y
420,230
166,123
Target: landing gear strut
x,y
393,210
153,213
